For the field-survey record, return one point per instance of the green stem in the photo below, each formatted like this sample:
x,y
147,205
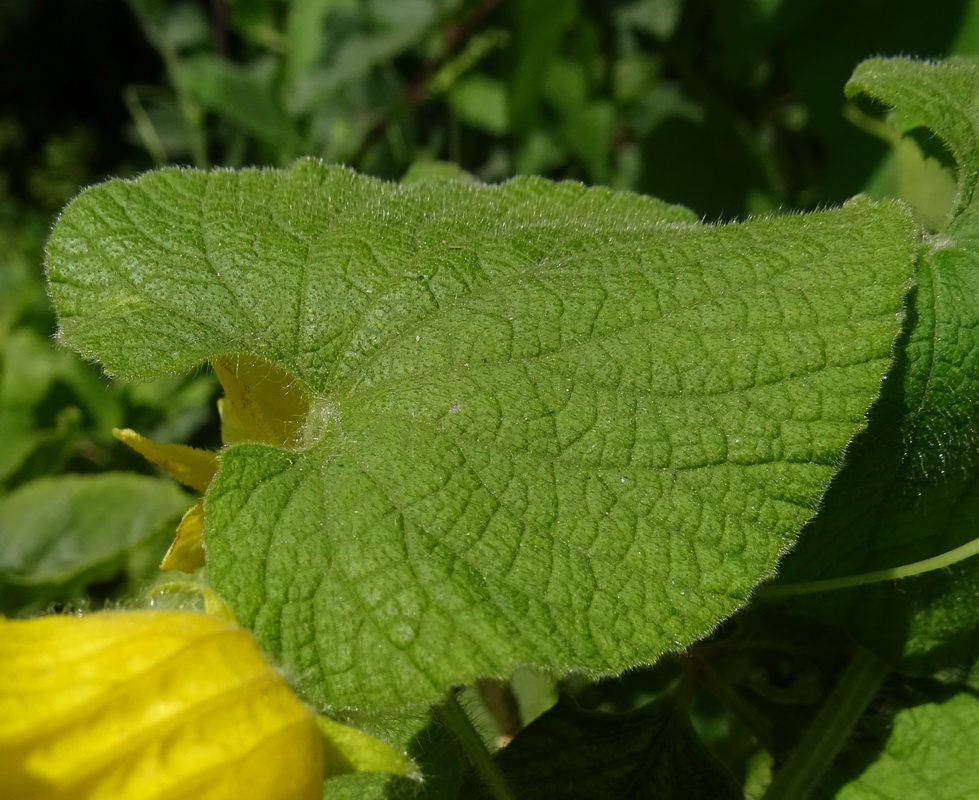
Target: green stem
x,y
967,550
457,720
728,696
830,729
144,126
190,110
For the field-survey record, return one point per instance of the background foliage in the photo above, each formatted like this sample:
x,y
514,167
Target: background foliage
x,y
731,107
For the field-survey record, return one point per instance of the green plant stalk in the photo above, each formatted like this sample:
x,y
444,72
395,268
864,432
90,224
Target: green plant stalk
x,y
190,111
727,695
830,729
144,127
457,720
941,561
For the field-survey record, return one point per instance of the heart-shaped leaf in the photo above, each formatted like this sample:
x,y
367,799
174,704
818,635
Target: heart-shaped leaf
x,y
547,424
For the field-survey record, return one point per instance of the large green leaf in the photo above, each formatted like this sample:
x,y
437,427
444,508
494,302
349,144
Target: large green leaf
x,y
911,490
550,425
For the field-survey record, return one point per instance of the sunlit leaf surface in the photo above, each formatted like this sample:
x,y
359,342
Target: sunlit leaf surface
x,y
546,424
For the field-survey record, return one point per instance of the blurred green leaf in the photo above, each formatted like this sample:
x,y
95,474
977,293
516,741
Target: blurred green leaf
x,y
589,133
242,94
658,17
392,29
37,383
540,152
480,102
307,36
171,409
586,125
23,300
182,26
60,535
539,26
925,181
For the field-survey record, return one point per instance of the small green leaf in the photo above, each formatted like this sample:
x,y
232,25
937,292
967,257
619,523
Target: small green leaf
x,y
570,753
548,424
347,749
434,751
938,96
58,535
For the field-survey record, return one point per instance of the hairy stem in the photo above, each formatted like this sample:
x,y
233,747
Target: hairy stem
x,y
457,720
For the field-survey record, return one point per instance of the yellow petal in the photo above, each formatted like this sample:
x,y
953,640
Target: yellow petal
x,y
146,706
189,465
262,402
187,551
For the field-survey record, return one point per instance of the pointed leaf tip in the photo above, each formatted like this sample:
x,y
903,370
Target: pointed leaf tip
x,y
191,466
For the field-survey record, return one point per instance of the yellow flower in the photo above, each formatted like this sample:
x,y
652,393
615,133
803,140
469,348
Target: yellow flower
x,y
262,403
145,705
